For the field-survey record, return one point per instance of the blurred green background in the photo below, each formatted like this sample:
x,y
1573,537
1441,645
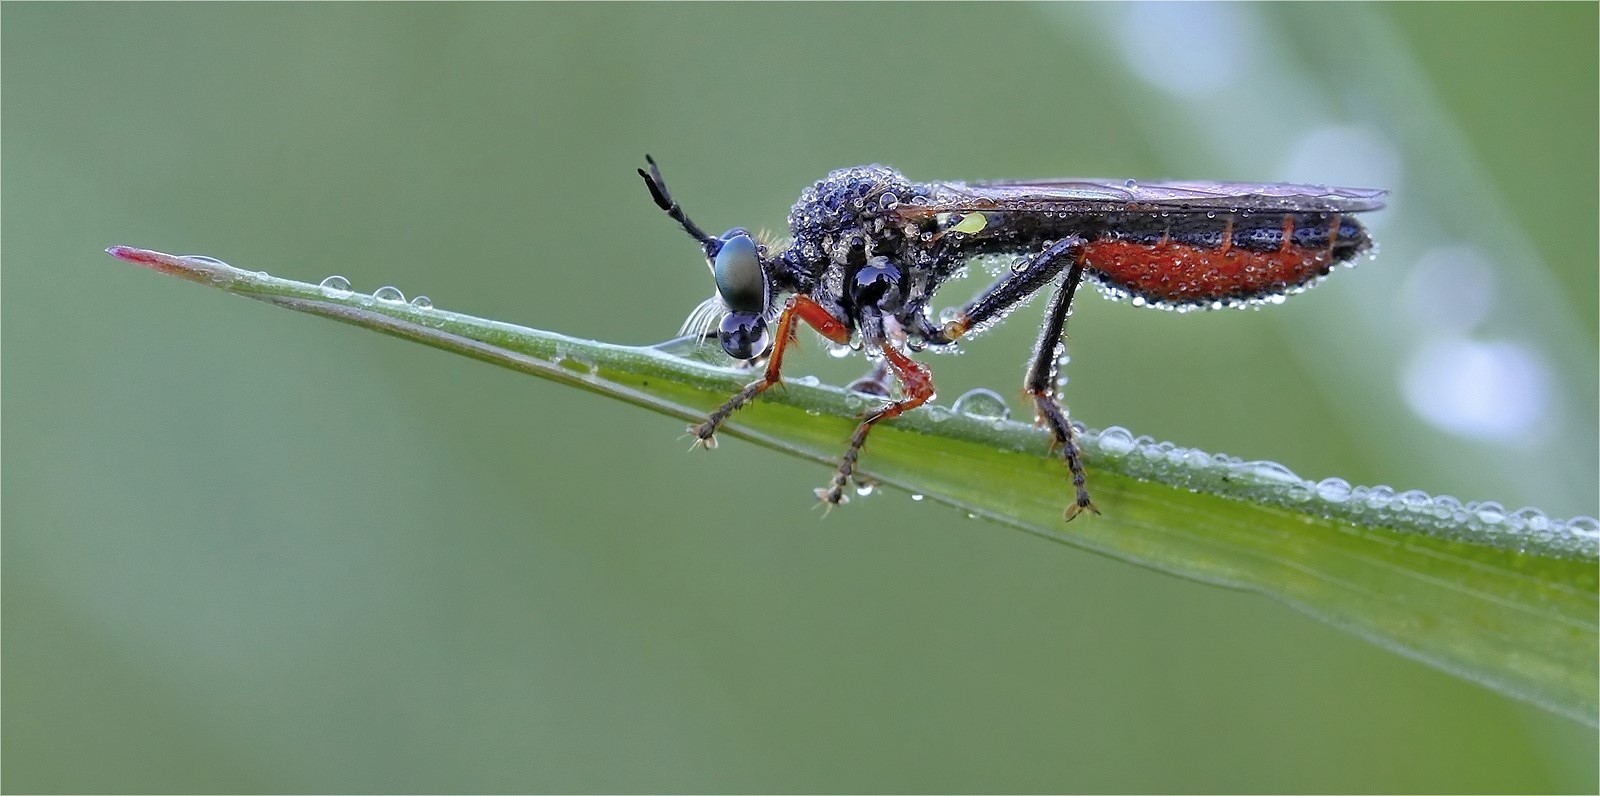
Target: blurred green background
x,y
250,551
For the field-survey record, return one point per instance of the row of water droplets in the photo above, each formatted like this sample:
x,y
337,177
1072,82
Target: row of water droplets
x,y
1270,482
338,287
334,286
1479,522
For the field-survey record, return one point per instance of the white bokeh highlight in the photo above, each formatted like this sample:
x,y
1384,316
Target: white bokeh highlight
x,y
1496,391
1449,292
1183,49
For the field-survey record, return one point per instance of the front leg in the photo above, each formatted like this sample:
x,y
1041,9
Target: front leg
x,y
799,307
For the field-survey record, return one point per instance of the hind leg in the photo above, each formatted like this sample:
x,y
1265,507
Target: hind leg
x,y
1041,380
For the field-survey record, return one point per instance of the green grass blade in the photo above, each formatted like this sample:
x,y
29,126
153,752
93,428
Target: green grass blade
x,y
1507,599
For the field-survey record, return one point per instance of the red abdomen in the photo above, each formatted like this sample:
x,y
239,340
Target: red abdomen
x,y
1231,260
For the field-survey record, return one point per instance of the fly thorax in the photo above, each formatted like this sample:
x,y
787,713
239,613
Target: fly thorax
x,y
849,209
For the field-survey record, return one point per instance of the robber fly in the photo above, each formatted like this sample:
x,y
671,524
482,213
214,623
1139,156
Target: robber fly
x,y
868,250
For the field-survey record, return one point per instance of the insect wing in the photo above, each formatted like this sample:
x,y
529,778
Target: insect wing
x,y
1091,196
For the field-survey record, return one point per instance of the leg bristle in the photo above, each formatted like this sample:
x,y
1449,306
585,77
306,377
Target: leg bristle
x,y
831,496
705,436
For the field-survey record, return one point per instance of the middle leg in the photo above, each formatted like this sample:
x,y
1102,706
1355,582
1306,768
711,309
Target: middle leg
x,y
1008,292
916,387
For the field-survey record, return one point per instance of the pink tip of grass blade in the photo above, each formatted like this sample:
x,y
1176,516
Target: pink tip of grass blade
x,y
162,262
131,254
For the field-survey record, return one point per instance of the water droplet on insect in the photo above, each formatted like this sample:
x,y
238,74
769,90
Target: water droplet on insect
x,y
422,303
864,489
1131,184
839,350
982,403
915,496
389,293
336,285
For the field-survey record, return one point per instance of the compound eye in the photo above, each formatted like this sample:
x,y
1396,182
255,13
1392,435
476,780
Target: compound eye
x,y
743,335
737,269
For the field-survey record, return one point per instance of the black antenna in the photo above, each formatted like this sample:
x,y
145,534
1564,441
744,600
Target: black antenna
x,y
658,192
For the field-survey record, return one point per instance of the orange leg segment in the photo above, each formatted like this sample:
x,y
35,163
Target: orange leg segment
x,y
799,307
916,383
